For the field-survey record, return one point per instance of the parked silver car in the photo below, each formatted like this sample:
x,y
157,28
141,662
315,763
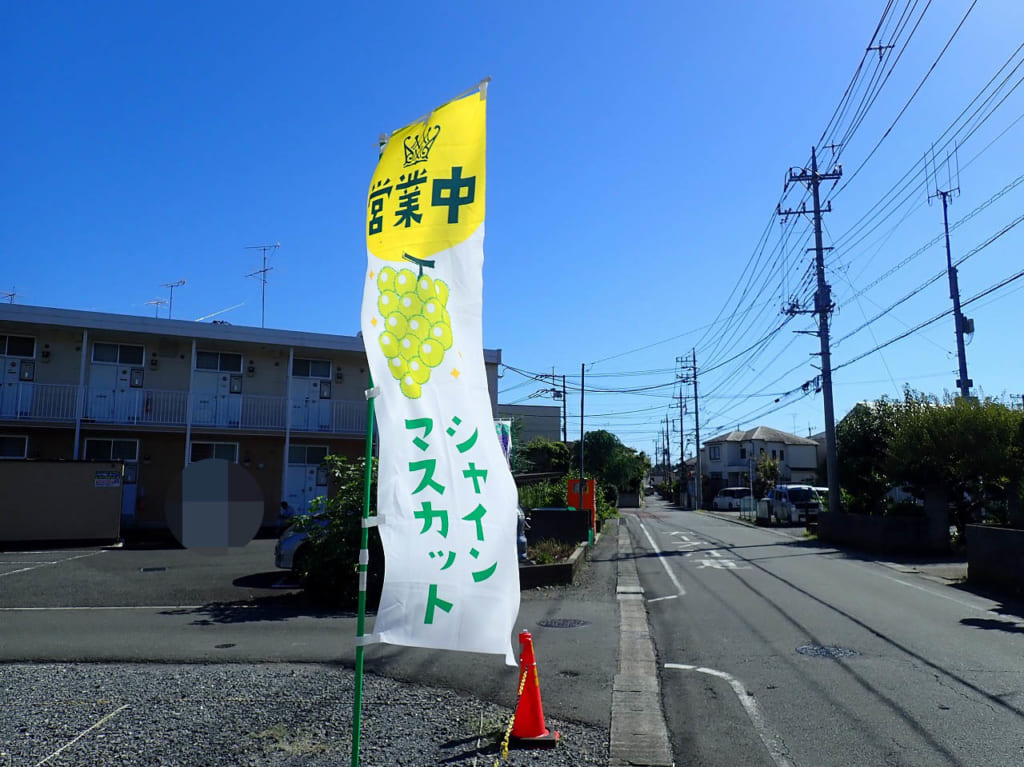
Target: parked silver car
x,y
292,546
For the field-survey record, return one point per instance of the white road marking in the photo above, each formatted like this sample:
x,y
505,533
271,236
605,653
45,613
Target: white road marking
x,y
672,575
771,740
658,599
56,562
82,734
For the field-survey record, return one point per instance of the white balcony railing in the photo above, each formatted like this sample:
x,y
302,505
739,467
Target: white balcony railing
x,y
27,401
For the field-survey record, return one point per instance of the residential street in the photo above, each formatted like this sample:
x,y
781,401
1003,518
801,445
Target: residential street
x,y
776,650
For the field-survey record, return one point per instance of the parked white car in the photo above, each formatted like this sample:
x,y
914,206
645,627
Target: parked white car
x,y
729,498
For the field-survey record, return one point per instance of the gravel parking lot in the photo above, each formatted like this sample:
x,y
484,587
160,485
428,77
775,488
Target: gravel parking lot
x,y
277,715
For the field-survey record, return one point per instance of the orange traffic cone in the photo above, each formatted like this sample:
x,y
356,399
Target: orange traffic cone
x,y
528,730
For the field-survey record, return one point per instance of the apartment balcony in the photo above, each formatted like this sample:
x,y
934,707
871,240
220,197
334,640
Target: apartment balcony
x,y
58,403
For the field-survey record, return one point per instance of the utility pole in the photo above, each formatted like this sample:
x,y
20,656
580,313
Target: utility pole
x,y
823,308
699,485
583,388
668,449
682,446
962,324
263,277
565,414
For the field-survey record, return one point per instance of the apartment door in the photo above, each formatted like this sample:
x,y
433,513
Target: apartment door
x,y
10,388
218,398
311,404
305,477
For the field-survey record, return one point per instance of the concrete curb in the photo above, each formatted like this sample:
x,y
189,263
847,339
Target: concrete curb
x,y
639,735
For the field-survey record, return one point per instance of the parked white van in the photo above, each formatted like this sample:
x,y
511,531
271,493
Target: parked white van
x,y
729,498
793,503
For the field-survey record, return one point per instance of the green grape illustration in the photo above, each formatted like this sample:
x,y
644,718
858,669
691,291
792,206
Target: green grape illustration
x,y
397,324
431,353
417,328
398,367
419,372
410,388
389,345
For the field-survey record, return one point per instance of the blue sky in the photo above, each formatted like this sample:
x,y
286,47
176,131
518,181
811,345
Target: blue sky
x,y
636,155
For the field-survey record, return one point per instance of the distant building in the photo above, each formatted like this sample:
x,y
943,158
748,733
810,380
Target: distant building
x,y
534,421
158,394
728,458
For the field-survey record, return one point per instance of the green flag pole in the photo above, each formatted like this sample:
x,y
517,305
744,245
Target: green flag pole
x,y
364,561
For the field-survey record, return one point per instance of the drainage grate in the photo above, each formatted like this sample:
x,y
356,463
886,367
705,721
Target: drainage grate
x,y
223,646
152,569
562,623
825,651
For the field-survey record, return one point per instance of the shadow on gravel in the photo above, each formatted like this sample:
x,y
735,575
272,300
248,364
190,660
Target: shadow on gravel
x,y
487,747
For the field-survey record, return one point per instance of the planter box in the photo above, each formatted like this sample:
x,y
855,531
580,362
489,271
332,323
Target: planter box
x,y
532,576
995,558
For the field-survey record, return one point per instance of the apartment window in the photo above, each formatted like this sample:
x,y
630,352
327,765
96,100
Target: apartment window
x,y
743,454
118,354
311,368
224,362
111,449
17,346
306,455
715,453
782,455
13,447
774,455
200,451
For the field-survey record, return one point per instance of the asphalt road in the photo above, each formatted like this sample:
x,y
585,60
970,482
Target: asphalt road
x,y
774,651
170,605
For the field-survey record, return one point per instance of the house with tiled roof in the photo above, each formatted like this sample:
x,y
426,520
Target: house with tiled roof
x,y
729,458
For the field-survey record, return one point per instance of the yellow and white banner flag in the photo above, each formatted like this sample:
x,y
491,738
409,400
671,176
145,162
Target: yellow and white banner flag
x,y
446,500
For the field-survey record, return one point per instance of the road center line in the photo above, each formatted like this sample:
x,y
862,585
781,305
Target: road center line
x,y
672,575
82,734
770,739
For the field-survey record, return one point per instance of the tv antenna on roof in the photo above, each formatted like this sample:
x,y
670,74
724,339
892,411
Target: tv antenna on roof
x,y
172,286
157,302
10,294
263,276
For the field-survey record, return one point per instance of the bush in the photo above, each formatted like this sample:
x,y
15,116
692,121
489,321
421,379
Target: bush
x,y
330,571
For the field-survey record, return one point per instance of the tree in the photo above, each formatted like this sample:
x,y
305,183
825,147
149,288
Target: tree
x,y
862,440
543,455
330,575
973,450
612,462
766,476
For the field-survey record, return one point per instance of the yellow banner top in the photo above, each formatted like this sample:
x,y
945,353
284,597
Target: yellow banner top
x,y
428,191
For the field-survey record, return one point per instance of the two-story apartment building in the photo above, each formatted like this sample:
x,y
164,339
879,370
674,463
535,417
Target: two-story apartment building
x,y
158,394
728,458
